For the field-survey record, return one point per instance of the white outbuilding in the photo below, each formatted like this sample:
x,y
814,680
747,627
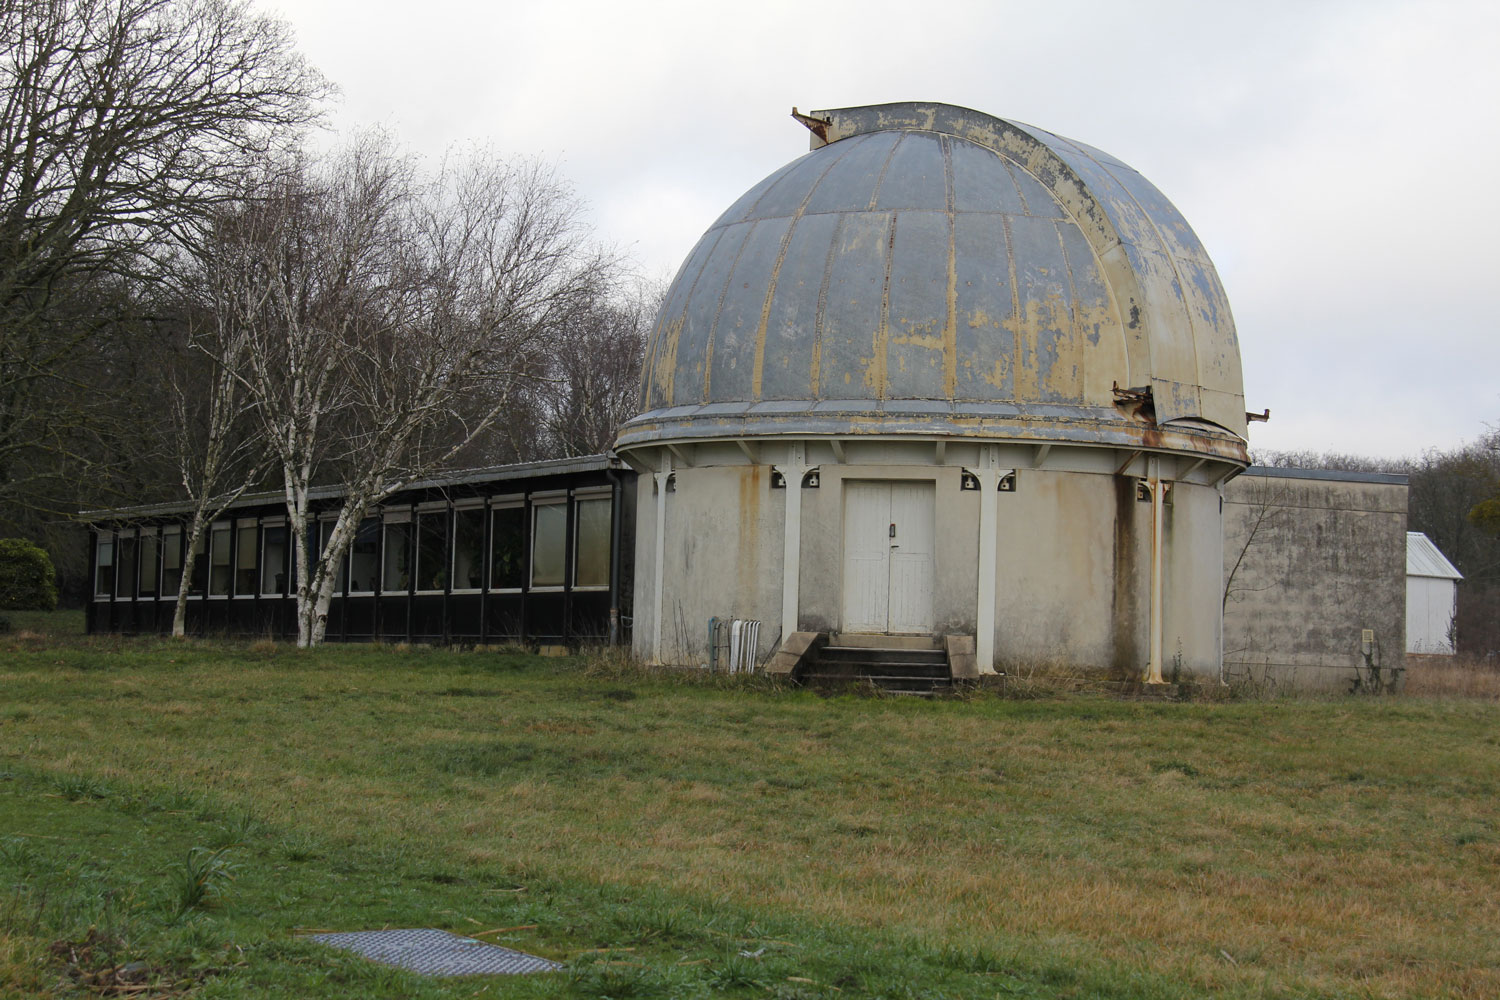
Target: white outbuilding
x,y
1431,597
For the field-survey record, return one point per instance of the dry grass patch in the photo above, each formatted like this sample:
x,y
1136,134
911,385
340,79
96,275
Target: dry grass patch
x,y
1453,677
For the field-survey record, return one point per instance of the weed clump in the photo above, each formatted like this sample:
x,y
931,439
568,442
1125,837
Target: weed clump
x,y
200,879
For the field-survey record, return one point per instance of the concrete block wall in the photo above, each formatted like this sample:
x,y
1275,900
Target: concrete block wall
x,y
1311,559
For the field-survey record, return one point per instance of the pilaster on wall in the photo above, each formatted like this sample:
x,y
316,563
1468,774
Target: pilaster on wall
x,y
989,475
792,471
662,478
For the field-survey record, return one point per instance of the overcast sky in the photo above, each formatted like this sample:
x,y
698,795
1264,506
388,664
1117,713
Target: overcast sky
x,y
1339,160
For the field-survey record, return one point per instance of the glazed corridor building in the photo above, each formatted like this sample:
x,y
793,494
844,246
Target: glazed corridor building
x,y
535,553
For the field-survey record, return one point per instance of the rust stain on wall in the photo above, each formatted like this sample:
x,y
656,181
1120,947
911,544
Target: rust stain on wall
x,y
746,565
1126,625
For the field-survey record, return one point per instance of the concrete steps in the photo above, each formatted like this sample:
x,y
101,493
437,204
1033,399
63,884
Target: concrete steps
x,y
901,665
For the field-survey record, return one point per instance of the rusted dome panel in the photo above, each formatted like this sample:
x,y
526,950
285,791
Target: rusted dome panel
x,y
1191,332
932,260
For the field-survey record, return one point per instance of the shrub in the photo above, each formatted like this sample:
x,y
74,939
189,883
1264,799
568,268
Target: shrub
x,y
27,581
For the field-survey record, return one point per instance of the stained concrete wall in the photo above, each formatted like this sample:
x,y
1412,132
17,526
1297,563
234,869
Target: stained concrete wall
x,y
1311,559
1191,640
1074,568
1073,562
722,558
1058,597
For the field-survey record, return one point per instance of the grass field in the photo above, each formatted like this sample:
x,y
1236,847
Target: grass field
x,y
189,807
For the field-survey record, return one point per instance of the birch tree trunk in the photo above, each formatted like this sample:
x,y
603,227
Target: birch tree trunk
x,y
190,541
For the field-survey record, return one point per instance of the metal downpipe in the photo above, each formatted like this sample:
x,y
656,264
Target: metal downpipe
x,y
1158,526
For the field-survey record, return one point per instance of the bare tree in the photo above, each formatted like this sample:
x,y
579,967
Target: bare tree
x,y
1331,460
595,381
209,433
375,303
1266,511
118,121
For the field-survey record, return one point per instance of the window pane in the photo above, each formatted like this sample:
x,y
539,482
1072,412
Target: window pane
x,y
547,544
432,550
273,561
591,559
199,580
244,561
104,567
148,566
397,557
171,562
468,549
313,535
218,561
364,557
318,533
508,548
125,559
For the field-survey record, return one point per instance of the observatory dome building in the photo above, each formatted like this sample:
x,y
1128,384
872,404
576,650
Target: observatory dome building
x,y
943,376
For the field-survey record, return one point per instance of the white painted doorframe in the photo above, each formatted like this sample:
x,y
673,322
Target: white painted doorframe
x,y
889,539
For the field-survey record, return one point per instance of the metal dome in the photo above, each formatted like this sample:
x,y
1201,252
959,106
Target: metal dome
x,y
929,270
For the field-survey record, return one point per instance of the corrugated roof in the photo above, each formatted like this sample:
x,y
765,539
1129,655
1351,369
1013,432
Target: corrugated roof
x,y
1424,559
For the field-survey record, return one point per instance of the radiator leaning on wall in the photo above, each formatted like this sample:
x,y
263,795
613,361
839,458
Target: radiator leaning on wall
x,y
732,644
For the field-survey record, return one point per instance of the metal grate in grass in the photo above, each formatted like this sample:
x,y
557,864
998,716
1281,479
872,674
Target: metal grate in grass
x,y
436,953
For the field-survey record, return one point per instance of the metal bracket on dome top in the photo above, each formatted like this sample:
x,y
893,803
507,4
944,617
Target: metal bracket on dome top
x,y
1131,395
1259,417
817,126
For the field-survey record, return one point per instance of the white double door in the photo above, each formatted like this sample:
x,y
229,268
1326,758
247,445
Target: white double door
x,y
888,556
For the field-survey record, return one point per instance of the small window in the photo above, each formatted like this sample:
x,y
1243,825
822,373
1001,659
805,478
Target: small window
x,y
147,556
198,583
318,533
171,561
219,566
125,566
104,567
468,549
364,557
591,543
548,544
397,577
273,561
432,550
508,548
244,560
